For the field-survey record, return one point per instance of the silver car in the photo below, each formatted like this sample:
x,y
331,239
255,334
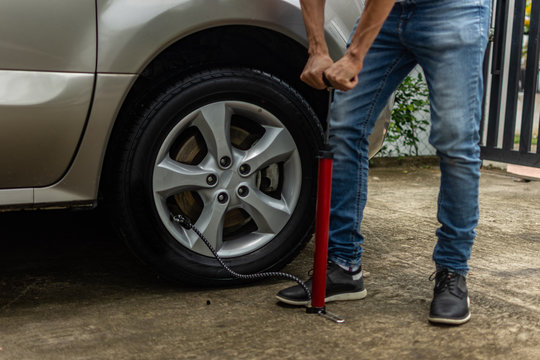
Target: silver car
x,y
157,108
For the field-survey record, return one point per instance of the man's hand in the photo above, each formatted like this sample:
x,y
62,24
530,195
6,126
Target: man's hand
x,y
314,69
343,75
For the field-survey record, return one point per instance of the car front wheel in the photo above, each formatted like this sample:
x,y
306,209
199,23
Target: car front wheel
x,y
234,151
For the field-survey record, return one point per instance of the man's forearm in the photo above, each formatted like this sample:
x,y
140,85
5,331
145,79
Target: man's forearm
x,y
369,25
343,74
313,13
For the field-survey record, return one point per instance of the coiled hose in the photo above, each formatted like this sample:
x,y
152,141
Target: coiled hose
x,y
186,224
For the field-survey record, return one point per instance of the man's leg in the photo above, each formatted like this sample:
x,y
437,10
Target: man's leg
x,y
354,114
449,38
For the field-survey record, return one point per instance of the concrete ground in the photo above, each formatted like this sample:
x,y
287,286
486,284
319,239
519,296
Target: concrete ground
x,y
70,290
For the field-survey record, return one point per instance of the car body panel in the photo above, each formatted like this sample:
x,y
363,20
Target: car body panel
x,y
42,115
80,183
52,35
47,69
16,198
79,186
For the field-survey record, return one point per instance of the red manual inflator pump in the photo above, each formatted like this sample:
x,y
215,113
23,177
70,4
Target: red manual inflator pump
x,y
322,223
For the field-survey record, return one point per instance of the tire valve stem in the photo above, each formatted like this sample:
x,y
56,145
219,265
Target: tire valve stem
x,y
182,220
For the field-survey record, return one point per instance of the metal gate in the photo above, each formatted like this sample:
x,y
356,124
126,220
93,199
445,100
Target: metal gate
x,y
510,128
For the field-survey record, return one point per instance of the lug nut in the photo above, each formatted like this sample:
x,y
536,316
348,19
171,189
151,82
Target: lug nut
x,y
225,162
211,179
223,197
245,169
243,191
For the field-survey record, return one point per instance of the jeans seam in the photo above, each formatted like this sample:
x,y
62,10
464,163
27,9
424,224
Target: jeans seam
x,y
379,90
358,211
473,102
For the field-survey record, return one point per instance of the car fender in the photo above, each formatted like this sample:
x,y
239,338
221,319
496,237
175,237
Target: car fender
x,y
131,33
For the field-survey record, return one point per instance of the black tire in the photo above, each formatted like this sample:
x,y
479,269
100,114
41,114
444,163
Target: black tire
x,y
171,124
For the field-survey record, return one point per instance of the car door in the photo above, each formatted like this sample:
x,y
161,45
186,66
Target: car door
x,y
47,70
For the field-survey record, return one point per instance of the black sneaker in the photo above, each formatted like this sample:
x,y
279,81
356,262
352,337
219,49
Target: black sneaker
x,y
450,303
340,285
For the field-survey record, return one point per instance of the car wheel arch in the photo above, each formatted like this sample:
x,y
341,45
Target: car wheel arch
x,y
191,54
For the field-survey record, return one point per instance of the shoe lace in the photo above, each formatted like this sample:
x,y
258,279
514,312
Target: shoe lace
x,y
444,279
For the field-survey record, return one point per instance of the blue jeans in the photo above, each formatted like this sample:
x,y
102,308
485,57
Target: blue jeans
x,y
447,38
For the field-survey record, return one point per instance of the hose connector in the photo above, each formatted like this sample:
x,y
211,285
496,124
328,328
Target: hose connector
x,y
182,220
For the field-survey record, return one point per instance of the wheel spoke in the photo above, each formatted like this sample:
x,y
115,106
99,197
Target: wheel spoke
x,y
171,177
269,214
210,223
214,121
276,145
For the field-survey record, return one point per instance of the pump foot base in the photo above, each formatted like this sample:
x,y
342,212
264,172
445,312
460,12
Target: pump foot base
x,y
326,314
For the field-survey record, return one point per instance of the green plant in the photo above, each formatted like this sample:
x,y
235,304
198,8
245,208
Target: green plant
x,y
534,139
526,28
527,23
411,99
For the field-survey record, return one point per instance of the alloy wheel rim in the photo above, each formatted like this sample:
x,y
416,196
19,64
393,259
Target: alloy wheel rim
x,y
234,170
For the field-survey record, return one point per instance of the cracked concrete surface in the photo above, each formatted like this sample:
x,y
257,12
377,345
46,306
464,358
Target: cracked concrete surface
x,y
70,290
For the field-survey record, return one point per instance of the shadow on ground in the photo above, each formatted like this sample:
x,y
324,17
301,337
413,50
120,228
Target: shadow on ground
x,y
66,256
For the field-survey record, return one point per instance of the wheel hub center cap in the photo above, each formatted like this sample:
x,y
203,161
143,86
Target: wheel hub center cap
x,y
230,180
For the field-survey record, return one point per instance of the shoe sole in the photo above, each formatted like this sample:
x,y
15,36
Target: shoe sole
x,y
338,297
450,321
